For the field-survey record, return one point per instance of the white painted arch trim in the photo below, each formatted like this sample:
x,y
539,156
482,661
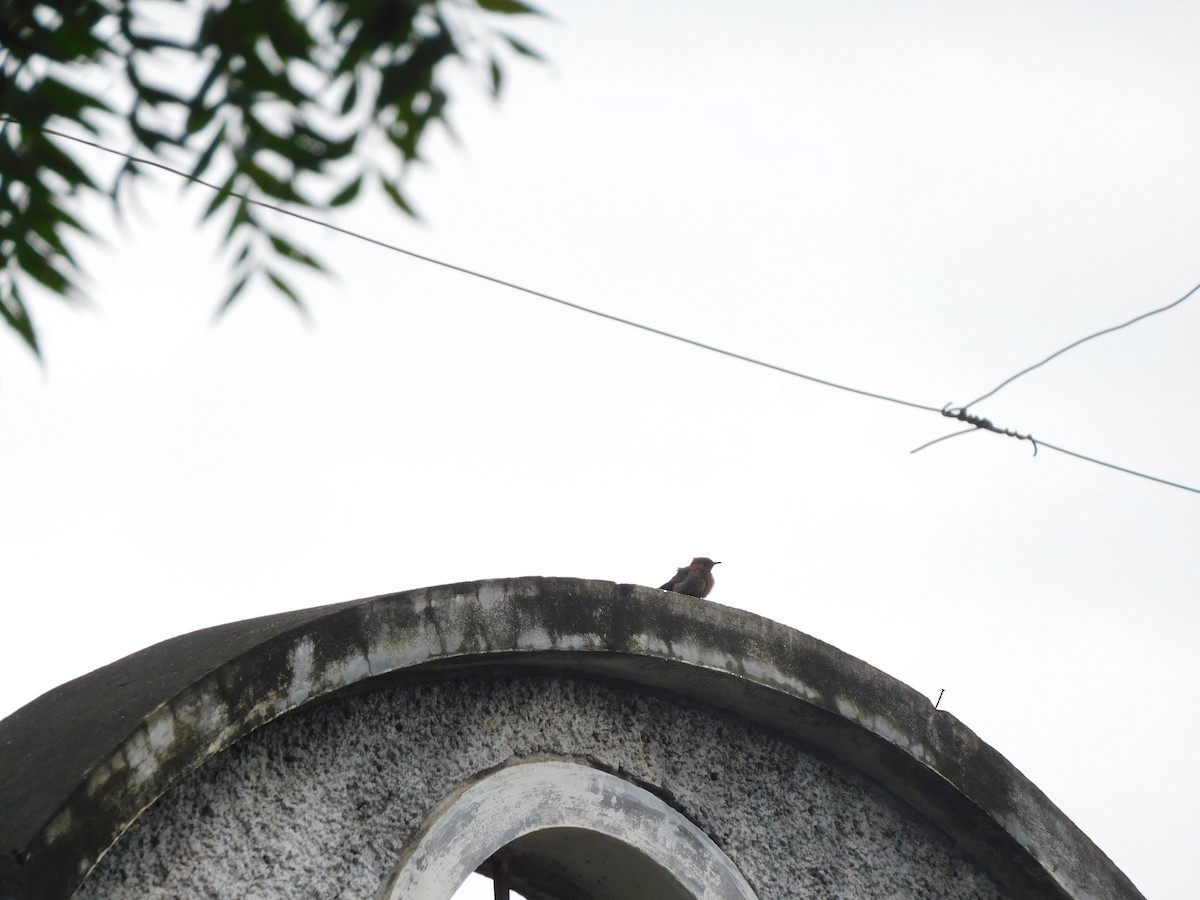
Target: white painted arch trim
x,y
483,816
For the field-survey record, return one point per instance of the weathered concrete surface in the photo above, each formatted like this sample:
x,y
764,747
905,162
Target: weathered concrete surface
x,y
334,802
81,763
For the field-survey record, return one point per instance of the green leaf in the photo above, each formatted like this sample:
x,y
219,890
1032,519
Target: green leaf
x,y
238,287
508,7
66,220
215,71
290,37
288,250
348,193
286,289
402,81
150,44
497,77
206,157
148,93
393,191
273,187
241,255
156,97
351,97
225,192
198,118
41,270
129,169
58,160
16,316
522,48
150,138
66,101
243,215
52,240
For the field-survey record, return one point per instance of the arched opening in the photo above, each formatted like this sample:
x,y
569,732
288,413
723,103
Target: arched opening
x,y
563,830
572,863
481,887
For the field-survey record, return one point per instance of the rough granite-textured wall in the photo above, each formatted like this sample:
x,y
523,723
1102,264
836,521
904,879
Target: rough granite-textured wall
x,y
317,805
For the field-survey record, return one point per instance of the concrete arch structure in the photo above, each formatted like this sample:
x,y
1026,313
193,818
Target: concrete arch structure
x,y
312,751
564,812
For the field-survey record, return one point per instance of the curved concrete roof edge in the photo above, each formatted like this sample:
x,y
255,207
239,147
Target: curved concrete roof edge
x,y
81,763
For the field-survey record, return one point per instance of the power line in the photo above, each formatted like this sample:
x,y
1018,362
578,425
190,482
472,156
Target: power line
x,y
1071,346
956,413
1100,462
946,437
981,424
493,279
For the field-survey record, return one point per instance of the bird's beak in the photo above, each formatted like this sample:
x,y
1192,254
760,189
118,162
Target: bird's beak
x,y
717,563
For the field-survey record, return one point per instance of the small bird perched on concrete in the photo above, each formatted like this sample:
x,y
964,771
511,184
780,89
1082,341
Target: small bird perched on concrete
x,y
695,579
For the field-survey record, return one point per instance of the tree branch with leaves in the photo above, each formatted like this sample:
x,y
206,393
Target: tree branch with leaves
x,y
300,104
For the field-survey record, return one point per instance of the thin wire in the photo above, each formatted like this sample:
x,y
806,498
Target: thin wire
x,y
508,284
1101,462
1146,315
960,412
946,437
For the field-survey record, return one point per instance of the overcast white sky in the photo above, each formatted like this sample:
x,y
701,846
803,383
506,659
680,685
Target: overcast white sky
x,y
917,200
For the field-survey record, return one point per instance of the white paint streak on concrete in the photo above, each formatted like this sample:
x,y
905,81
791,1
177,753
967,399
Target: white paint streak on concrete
x,y
140,757
582,641
301,686
701,654
103,772
848,709
346,672
887,730
59,826
765,673
492,594
388,656
160,729
654,646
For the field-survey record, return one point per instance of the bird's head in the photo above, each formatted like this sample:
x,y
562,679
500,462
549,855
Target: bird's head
x,y
705,562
